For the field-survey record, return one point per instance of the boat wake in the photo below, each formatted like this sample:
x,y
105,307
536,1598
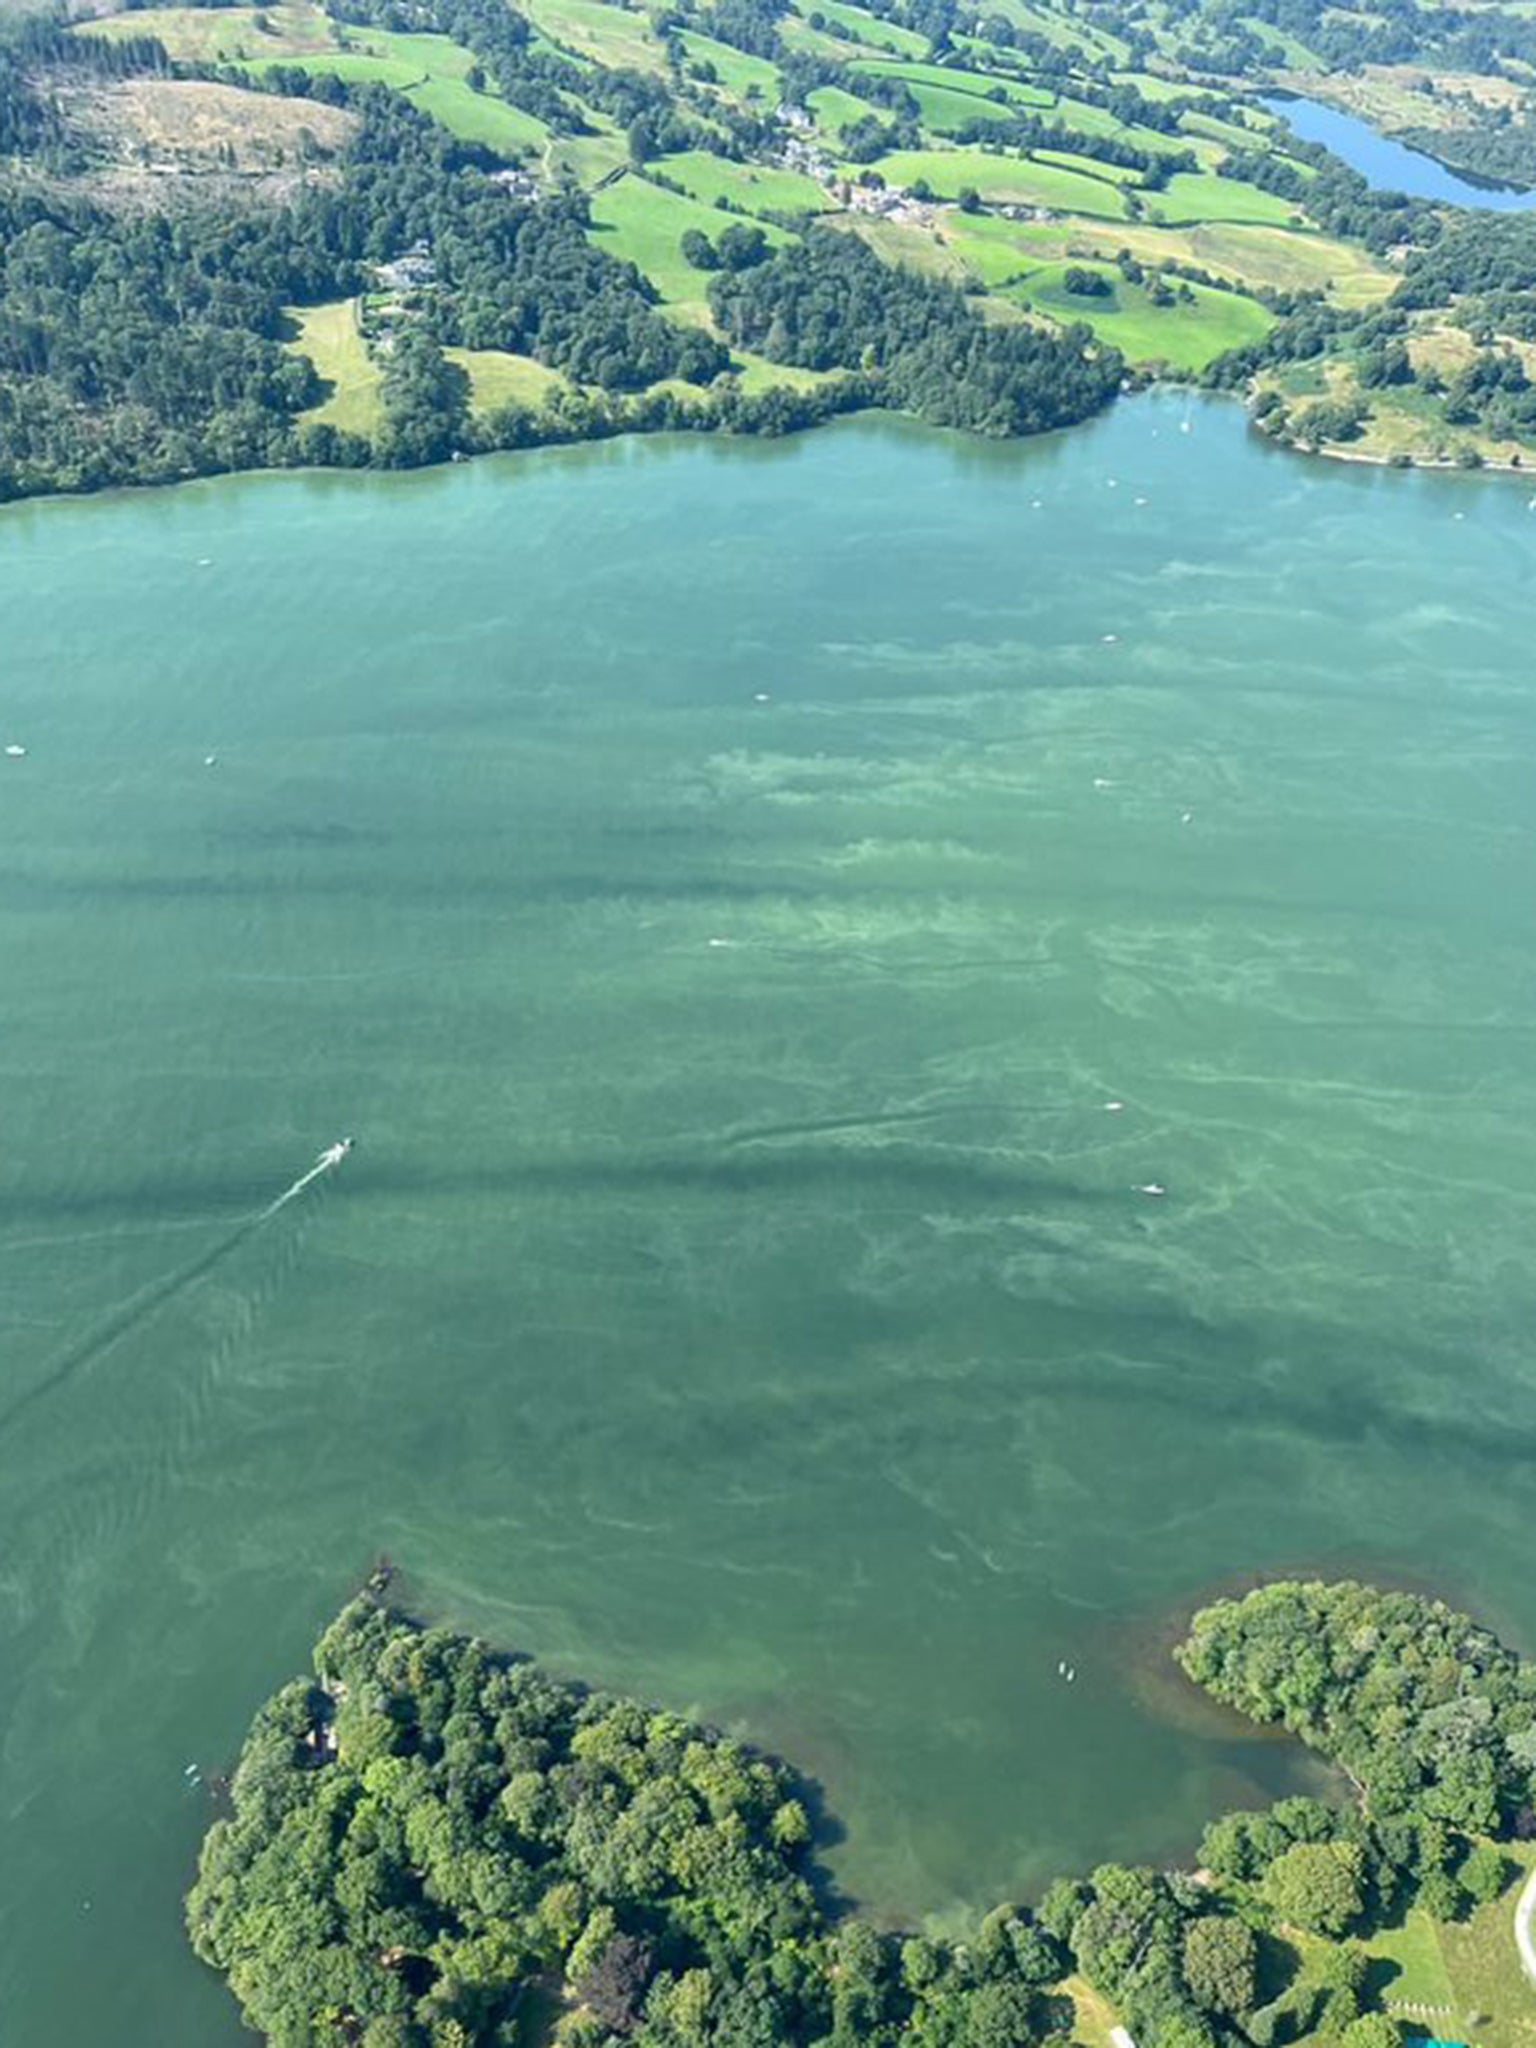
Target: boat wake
x,y
329,1159
159,1294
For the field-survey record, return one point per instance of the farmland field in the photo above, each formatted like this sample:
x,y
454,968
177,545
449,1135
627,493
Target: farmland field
x,y
1003,179
1200,195
1186,335
755,188
644,225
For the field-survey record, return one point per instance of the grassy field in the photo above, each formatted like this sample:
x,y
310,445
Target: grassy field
x,y
753,187
608,34
220,35
641,224
945,111
586,158
1007,180
933,253
972,84
1280,258
1186,335
1485,1973
1093,2017
1201,195
757,374
835,109
868,28
478,117
497,379
737,72
429,70
328,336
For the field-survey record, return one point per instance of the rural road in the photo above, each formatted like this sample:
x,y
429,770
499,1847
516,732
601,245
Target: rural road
x,y
1524,1906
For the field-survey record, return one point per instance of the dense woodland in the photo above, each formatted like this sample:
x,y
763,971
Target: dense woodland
x,y
432,1846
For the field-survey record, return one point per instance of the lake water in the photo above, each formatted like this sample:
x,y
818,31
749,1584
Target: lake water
x,y
724,889
1389,166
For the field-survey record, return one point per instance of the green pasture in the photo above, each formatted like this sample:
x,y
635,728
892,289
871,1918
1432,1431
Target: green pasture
x,y
1297,55
755,188
735,70
1211,128
429,70
1008,180
1186,335
755,373
799,35
1090,120
608,35
946,111
1201,195
497,379
973,84
836,110
641,224
329,336
868,28
588,158
479,116
294,32
1088,166
932,252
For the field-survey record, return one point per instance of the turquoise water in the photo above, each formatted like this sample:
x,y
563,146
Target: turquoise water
x,y
1390,166
723,889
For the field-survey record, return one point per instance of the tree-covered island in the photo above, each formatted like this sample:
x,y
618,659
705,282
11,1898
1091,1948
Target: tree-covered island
x,y
353,232
433,1846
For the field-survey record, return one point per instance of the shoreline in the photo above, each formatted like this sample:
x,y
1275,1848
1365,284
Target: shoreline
x,y
630,436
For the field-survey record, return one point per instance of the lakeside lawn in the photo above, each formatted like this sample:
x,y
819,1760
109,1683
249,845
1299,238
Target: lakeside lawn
x,y
329,336
1186,335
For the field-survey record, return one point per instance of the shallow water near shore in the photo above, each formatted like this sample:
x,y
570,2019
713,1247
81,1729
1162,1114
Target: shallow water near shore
x,y
724,889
